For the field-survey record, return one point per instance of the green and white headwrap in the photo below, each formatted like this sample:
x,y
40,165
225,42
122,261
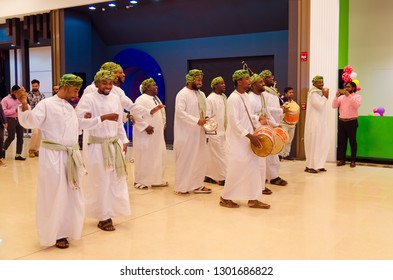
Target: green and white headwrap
x,y
240,74
103,75
254,78
265,73
145,84
111,66
70,80
192,74
216,80
317,79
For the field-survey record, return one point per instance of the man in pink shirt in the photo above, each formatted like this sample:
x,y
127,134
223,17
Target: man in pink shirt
x,y
348,103
10,107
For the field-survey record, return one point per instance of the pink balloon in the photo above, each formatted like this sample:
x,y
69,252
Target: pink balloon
x,y
358,88
348,69
377,114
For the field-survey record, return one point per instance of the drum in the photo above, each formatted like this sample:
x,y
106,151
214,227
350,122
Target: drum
x,y
281,137
210,126
292,115
266,136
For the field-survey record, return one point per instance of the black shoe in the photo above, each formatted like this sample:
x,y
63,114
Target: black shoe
x,y
280,158
221,183
2,154
289,158
20,158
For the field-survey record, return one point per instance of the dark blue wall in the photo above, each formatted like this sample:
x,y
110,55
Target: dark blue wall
x,y
85,52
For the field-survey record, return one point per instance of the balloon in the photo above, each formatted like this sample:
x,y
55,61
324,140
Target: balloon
x,y
356,82
358,88
375,110
381,110
370,115
346,78
377,114
348,69
353,75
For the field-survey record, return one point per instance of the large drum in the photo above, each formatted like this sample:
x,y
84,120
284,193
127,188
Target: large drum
x,y
292,115
281,137
266,136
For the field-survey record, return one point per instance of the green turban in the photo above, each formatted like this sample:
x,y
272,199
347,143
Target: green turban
x,y
70,80
254,78
146,83
215,81
192,74
265,73
103,75
317,79
240,74
111,66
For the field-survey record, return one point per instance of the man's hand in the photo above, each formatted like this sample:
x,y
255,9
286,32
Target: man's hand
x,y
325,92
87,116
263,120
254,140
110,117
201,122
149,129
125,148
5,125
131,118
21,95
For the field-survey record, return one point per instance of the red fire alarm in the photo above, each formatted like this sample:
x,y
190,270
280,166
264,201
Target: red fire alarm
x,y
303,56
303,105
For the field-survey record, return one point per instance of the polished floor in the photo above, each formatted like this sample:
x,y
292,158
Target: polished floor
x,y
344,213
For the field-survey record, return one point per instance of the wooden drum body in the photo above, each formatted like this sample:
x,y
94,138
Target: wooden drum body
x,y
266,136
281,137
292,115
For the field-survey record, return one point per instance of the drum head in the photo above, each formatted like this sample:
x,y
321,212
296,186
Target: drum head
x,y
267,146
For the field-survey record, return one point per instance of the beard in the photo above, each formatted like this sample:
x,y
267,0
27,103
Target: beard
x,y
194,86
13,96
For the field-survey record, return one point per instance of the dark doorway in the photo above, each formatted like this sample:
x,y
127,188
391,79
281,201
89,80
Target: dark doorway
x,y
225,67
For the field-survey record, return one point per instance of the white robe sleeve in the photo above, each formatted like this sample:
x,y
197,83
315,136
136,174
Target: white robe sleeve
x,y
181,104
32,118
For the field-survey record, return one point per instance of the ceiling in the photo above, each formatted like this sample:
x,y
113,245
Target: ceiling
x,y
162,20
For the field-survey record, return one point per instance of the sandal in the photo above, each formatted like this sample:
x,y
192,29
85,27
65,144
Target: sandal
x,y
228,203
258,204
62,243
106,225
140,186
203,189
310,170
209,180
279,182
182,193
165,184
267,191
322,170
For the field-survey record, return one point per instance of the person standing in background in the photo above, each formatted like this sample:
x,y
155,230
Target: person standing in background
x,y
216,106
288,127
348,105
10,107
33,97
316,140
3,125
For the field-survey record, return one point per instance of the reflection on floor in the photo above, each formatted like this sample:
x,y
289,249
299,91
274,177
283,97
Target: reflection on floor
x,y
344,213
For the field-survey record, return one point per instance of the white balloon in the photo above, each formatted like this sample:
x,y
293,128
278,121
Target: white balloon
x,y
353,75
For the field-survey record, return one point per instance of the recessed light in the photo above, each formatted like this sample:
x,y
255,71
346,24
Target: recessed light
x,y
134,2
92,7
112,5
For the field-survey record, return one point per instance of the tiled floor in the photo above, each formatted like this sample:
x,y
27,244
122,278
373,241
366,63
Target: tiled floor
x,y
345,213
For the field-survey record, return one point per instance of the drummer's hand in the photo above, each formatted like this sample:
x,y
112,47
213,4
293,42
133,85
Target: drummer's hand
x,y
263,120
254,140
285,109
201,122
338,93
21,95
325,92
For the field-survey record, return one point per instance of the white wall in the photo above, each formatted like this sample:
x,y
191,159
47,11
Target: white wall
x,y
41,68
371,52
324,56
40,61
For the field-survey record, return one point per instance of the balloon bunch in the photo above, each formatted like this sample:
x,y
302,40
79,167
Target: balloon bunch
x,y
379,111
350,76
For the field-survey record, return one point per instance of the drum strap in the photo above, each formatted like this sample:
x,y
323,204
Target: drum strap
x,y
201,104
248,114
157,101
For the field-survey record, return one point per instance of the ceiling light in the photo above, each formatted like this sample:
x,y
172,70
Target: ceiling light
x,y
112,4
92,7
134,2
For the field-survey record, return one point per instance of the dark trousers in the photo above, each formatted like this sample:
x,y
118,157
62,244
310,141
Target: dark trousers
x,y
1,137
347,130
14,128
